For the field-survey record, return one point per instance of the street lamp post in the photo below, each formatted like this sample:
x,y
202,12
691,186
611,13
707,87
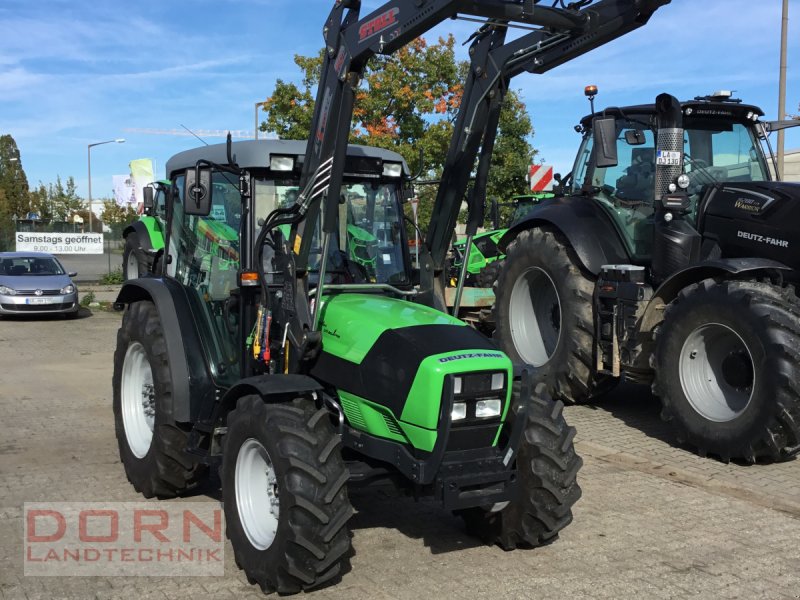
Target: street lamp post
x,y
256,115
89,152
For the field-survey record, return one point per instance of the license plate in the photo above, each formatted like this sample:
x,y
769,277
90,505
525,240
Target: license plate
x,y
37,300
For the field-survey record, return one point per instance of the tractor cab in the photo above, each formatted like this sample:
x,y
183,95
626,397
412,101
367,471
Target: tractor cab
x,y
211,245
720,144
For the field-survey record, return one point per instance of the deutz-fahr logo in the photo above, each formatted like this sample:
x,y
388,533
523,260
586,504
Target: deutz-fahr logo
x,y
378,24
470,355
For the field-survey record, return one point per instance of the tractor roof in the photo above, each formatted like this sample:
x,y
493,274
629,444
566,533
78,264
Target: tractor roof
x,y
730,110
256,153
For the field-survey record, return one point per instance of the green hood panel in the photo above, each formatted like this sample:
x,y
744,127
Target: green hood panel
x,y
351,323
389,360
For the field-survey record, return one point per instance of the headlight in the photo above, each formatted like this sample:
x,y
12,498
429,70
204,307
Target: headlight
x,y
498,381
392,169
281,163
488,408
68,289
7,291
459,411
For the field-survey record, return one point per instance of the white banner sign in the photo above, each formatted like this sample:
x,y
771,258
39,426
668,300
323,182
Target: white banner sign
x,y
60,243
124,193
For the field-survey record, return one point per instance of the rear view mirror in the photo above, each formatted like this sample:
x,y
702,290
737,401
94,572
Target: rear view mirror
x,y
604,130
634,137
197,192
149,201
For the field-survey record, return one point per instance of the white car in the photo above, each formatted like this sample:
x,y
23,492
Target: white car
x,y
36,283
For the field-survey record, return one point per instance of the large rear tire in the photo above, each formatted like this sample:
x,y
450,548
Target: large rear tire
x,y
152,445
543,315
284,487
728,369
547,478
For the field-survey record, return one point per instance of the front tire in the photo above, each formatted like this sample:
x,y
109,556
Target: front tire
x,y
544,315
547,478
152,445
727,369
285,495
134,264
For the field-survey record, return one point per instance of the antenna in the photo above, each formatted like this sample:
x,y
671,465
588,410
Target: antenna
x,y
194,134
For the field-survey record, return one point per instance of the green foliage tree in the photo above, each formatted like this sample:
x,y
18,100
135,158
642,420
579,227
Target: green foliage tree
x,y
40,202
64,201
117,217
14,198
408,102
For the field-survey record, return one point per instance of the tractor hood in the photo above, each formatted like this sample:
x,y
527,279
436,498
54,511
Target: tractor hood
x,y
755,219
389,358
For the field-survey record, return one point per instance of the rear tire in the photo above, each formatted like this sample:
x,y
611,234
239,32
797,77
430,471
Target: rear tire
x,y
544,316
294,536
152,445
134,264
547,468
727,365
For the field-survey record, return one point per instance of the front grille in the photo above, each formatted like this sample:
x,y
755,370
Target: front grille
x,y
33,293
37,307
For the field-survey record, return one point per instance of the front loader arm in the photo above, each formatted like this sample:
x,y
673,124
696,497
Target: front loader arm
x,y
493,64
351,41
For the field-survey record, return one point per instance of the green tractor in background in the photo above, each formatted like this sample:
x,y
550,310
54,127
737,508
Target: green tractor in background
x,y
144,238
483,264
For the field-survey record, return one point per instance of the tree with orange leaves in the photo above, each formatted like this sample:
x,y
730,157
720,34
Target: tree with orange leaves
x,y
408,102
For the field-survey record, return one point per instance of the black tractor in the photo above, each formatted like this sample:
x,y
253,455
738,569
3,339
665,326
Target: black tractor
x,y
670,258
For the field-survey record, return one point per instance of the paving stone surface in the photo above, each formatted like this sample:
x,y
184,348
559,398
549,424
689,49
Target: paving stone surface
x,y
655,521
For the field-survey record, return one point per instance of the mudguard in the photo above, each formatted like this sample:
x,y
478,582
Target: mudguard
x,y
583,222
192,386
272,388
150,237
670,288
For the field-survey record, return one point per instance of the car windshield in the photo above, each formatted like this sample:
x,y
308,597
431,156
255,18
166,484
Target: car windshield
x,y
30,266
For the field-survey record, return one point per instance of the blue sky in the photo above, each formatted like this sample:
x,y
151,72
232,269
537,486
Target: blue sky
x,y
75,72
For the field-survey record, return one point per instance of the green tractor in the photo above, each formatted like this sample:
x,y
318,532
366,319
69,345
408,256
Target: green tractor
x,y
303,362
144,238
206,375
483,264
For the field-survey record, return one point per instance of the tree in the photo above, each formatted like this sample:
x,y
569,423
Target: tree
x,y
118,217
64,201
40,202
408,102
14,200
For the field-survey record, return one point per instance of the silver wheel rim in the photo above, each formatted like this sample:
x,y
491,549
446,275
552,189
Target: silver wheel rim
x,y
257,494
535,316
717,372
132,267
138,400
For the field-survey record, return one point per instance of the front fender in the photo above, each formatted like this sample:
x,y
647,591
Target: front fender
x,y
192,386
589,230
670,288
271,388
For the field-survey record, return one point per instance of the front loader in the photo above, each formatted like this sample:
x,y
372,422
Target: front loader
x,y
306,355
671,260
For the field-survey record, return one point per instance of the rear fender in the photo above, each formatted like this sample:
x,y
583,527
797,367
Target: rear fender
x,y
148,233
192,386
669,289
589,230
